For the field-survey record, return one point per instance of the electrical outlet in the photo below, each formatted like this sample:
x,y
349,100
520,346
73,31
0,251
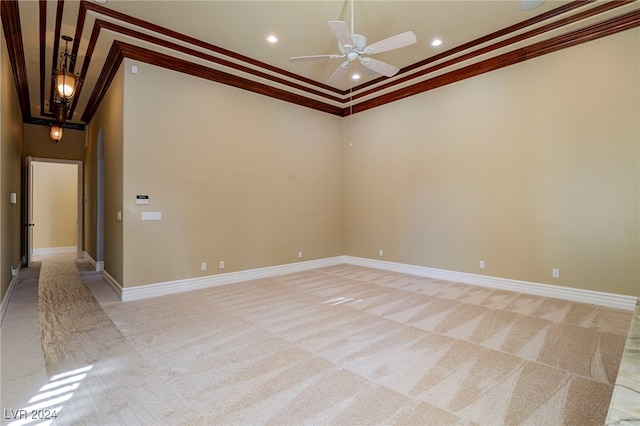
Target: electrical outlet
x,y
555,273
300,254
481,264
203,266
380,252
222,264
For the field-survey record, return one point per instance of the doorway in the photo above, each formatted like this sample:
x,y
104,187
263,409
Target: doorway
x,y
54,207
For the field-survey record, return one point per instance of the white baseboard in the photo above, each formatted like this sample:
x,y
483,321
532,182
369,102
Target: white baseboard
x,y
109,280
179,286
113,284
90,259
97,266
7,296
611,300
54,251
546,290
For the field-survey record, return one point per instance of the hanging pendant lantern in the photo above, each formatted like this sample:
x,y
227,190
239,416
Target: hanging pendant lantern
x,y
55,133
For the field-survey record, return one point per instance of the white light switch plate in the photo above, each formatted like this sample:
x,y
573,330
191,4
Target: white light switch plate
x,y
151,215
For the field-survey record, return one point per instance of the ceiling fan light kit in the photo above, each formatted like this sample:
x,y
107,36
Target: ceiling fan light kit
x,y
526,5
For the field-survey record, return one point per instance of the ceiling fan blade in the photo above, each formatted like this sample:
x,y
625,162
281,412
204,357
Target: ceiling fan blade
x,y
394,42
342,32
380,67
312,58
338,73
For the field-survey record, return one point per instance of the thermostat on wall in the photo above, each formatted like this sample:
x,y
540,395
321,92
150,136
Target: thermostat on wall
x,y
142,199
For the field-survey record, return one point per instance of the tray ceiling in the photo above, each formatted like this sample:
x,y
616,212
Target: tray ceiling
x,y
225,41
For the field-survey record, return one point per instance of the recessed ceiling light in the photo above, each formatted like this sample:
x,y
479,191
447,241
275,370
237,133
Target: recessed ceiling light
x,y
436,42
355,77
530,4
272,39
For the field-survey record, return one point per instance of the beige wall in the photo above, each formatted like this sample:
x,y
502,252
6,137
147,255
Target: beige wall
x,y
55,205
238,177
10,147
109,119
38,144
529,168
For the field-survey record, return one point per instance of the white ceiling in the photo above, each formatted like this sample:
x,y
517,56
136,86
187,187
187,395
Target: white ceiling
x,y
301,27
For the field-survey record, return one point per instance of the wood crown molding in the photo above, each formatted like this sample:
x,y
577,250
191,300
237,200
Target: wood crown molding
x,y
121,50
595,31
10,16
310,90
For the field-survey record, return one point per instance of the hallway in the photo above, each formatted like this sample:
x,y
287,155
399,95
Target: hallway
x,y
90,364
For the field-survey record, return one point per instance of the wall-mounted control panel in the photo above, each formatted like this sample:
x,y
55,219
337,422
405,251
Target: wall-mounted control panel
x,y
142,199
151,215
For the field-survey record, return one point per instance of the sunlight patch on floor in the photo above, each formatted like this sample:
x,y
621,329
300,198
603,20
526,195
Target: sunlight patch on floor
x,y
47,404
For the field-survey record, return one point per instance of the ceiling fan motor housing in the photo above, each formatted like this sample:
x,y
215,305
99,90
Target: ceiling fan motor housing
x,y
359,43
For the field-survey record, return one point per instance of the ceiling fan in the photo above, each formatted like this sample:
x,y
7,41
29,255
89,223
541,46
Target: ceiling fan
x,y
354,46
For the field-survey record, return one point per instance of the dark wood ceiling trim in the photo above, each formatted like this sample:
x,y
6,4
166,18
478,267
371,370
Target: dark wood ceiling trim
x,y
56,47
119,50
127,50
57,32
10,16
535,20
98,9
44,122
100,24
612,26
202,55
86,5
487,49
442,80
93,39
199,43
42,29
82,13
111,65
186,67
484,39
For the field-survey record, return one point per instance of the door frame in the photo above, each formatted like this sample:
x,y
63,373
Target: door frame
x,y
80,198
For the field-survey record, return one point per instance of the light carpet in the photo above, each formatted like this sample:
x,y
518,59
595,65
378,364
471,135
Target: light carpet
x,y
339,345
